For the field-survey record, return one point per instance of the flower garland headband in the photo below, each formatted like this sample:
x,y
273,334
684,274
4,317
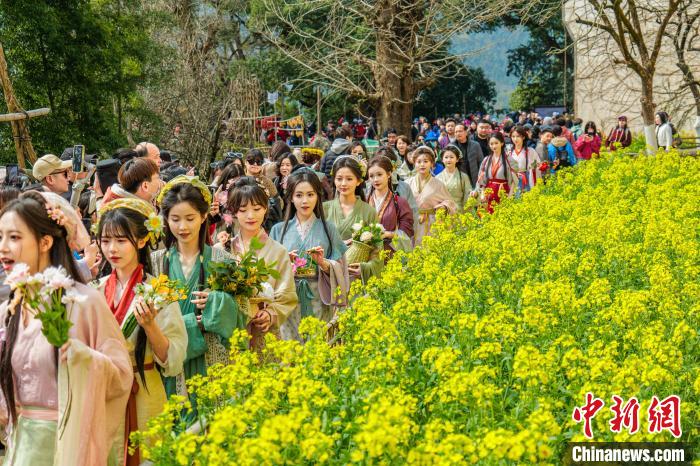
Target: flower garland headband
x,y
363,166
193,180
153,222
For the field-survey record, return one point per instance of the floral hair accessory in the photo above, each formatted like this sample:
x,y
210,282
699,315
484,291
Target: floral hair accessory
x,y
363,167
153,223
65,215
193,180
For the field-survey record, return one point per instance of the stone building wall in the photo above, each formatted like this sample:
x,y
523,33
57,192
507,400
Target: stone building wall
x,y
604,90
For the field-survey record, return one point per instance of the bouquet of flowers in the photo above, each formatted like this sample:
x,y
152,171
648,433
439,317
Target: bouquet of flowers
x,y
364,239
303,267
158,292
370,235
243,278
48,293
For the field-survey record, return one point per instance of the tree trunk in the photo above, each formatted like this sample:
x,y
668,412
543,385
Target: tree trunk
x,y
393,73
396,90
396,104
648,112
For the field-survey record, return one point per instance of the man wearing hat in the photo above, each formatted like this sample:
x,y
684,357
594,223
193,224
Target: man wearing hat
x,y
52,173
621,134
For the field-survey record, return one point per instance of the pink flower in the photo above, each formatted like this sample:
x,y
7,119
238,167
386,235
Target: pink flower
x,y
222,197
299,262
228,219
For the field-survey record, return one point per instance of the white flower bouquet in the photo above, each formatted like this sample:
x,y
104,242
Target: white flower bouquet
x,y
48,293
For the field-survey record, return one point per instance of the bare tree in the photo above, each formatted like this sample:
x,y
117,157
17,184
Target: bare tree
x,y
203,38
382,52
684,34
637,31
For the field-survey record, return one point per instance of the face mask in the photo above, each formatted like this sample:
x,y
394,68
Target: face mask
x,y
591,133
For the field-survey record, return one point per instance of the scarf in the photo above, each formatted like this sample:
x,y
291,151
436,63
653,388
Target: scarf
x,y
120,310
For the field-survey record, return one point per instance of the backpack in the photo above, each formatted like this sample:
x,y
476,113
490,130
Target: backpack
x,y
274,213
562,155
676,140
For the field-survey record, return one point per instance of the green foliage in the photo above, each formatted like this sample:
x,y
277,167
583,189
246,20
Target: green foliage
x,y
83,59
243,277
540,71
464,88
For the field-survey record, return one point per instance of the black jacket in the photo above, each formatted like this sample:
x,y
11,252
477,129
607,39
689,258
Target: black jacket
x,y
471,158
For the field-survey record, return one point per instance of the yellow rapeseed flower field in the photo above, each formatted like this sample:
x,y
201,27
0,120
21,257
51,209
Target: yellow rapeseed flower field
x,y
477,347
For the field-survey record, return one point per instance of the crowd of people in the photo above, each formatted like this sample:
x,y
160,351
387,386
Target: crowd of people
x,y
149,216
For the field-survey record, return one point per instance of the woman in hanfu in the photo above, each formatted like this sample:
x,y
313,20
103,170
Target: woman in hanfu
x,y
456,182
59,407
348,208
249,203
430,193
394,212
157,345
308,236
495,174
210,316
524,160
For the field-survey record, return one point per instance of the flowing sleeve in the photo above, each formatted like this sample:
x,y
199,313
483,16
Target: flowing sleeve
x,y
444,197
285,293
173,327
4,413
94,383
406,217
375,265
221,314
404,190
481,181
337,277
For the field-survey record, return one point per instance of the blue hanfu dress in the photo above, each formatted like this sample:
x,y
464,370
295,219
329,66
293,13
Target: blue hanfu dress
x,y
321,294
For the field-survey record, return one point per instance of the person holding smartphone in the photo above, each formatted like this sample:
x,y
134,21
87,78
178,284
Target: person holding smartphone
x,y
52,173
588,144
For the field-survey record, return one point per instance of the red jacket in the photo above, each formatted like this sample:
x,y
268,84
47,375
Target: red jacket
x,y
587,148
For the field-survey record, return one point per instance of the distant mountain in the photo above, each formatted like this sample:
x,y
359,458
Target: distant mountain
x,y
489,53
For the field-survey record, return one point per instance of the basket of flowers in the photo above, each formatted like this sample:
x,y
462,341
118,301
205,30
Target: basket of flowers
x,y
365,238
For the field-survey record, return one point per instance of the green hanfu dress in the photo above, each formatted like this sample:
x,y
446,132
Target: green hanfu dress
x,y
458,186
220,317
361,213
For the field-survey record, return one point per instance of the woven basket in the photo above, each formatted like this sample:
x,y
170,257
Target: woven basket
x,y
358,252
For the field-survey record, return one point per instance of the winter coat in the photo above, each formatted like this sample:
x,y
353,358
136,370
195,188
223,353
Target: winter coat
x,y
339,147
587,148
559,143
471,159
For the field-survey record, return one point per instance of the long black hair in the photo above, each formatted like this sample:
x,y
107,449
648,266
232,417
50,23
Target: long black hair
x,y
130,224
278,163
31,208
663,117
305,175
499,137
353,165
185,192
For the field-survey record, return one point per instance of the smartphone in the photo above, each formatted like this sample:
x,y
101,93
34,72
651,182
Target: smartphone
x,y
78,158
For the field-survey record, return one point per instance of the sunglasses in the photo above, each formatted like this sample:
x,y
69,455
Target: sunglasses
x,y
64,173
254,162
